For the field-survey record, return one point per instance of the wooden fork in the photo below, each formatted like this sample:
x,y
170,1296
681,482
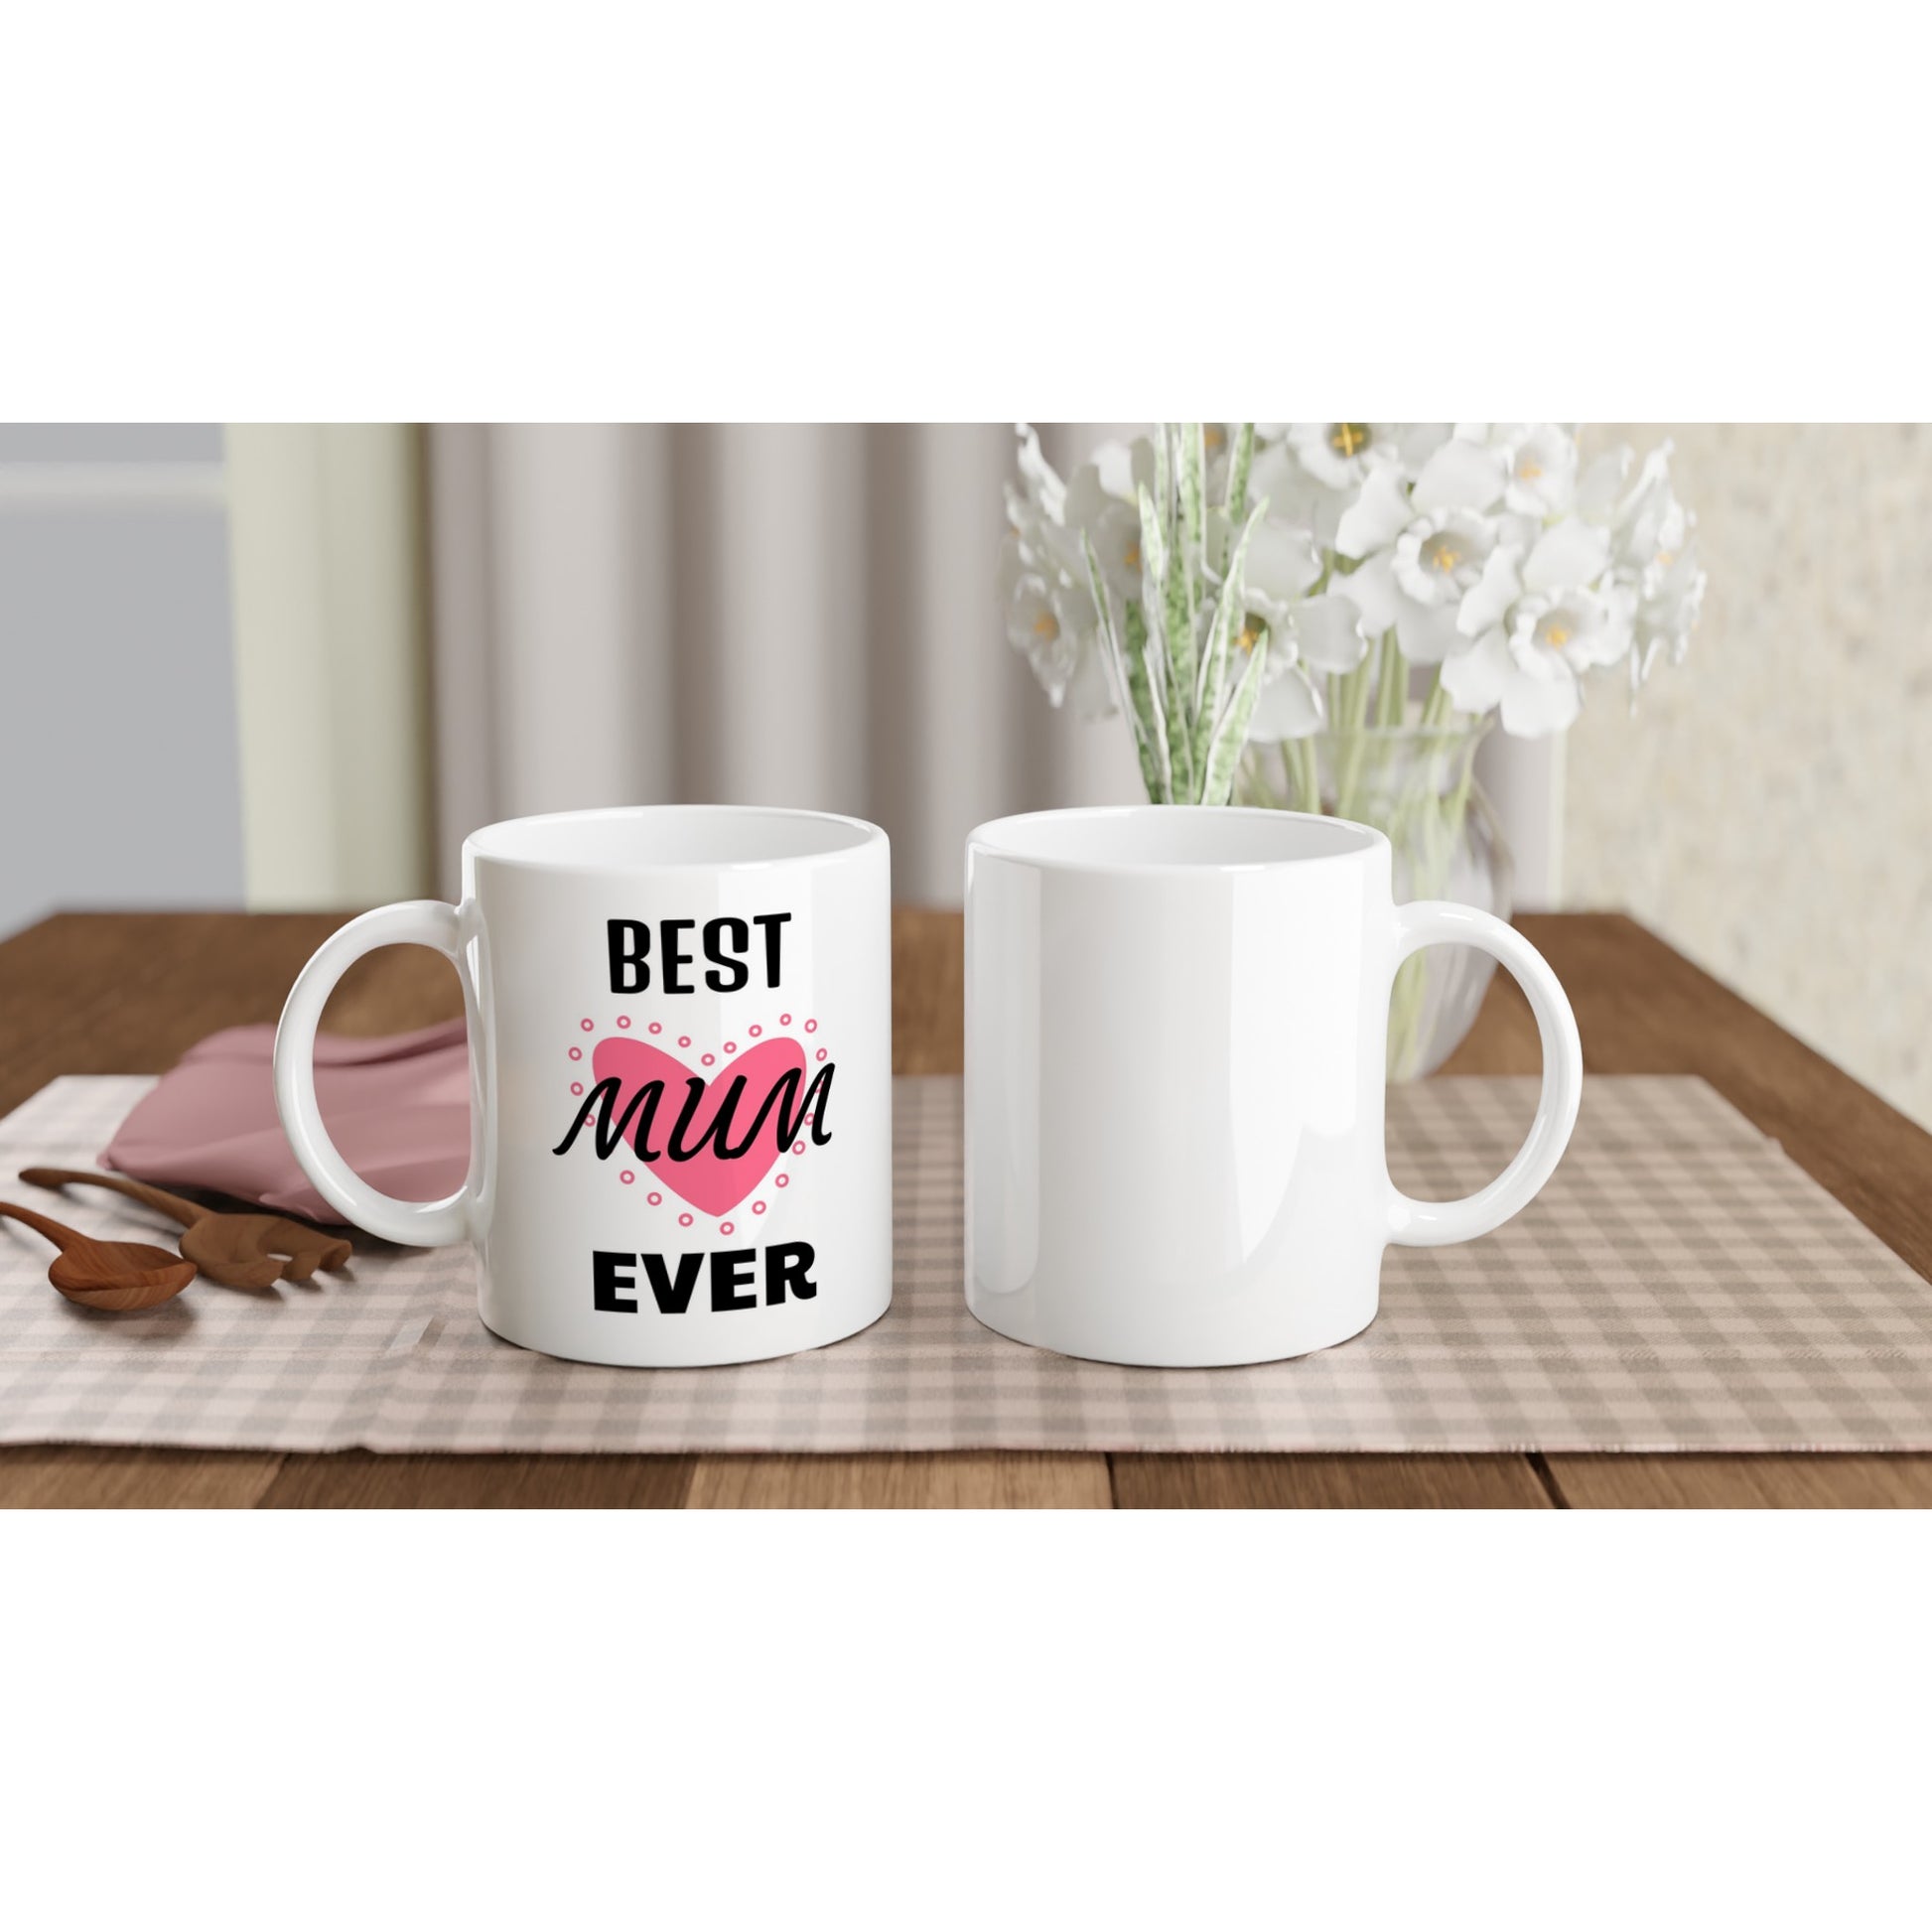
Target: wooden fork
x,y
236,1250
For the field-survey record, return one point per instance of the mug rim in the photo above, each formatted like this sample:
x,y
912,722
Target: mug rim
x,y
996,839
477,846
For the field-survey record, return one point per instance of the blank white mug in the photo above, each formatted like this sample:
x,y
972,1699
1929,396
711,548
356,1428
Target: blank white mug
x,y
680,1055
1176,1027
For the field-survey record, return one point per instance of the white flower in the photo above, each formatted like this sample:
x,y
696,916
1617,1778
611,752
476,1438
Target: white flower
x,y
1543,472
1090,690
1538,463
1293,495
1052,624
1288,707
1653,554
1416,587
1035,628
1379,515
1280,565
1500,584
1115,533
1327,632
1567,556
1327,629
1532,668
1650,519
1600,489
1439,557
1044,587
1340,455
1042,481
1537,695
1123,468
1045,545
1585,628
1461,476
1667,609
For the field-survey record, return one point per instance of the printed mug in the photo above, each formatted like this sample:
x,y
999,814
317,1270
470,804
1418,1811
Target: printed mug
x,y
1175,1027
680,1065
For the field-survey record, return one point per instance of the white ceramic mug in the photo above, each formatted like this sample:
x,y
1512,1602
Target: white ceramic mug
x,y
680,1052
1176,1023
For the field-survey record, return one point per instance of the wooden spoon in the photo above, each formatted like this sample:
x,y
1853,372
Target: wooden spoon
x,y
236,1250
116,1275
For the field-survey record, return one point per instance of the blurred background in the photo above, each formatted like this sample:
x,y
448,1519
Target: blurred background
x,y
291,666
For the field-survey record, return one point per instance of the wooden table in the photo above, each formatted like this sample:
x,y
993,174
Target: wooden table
x,y
127,993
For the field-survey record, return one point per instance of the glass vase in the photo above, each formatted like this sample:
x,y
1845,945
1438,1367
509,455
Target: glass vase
x,y
1416,783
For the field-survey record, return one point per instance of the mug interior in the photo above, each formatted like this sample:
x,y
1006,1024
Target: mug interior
x,y
1132,837
644,837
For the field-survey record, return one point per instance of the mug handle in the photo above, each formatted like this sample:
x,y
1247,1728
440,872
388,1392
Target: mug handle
x,y
1431,1225
418,1224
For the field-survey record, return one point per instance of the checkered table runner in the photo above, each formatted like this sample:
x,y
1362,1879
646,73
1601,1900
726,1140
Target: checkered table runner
x,y
1679,1285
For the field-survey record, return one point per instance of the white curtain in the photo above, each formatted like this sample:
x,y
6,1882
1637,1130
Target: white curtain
x,y
780,615
794,614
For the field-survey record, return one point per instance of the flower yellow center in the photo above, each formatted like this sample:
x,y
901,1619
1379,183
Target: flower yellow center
x,y
1213,437
1131,555
1047,626
1529,469
1556,636
1348,439
1441,553
1251,633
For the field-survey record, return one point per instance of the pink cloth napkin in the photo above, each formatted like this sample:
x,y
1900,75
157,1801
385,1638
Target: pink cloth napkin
x,y
398,1109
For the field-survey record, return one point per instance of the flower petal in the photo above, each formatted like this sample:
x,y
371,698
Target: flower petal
x,y
1085,499
1460,476
1123,466
1328,632
1280,561
1042,481
1601,487
1426,632
1567,557
1090,690
1371,589
1501,585
1287,708
1535,706
1477,678
1011,567
1377,516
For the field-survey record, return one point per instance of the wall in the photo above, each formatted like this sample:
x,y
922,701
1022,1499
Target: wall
x,y
1769,808
118,775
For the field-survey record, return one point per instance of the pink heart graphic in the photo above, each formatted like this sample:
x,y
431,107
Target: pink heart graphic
x,y
712,1186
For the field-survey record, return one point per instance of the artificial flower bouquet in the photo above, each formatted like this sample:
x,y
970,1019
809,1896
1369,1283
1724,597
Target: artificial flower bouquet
x,y
1329,617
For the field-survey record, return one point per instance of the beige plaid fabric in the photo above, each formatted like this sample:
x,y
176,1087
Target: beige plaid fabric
x,y
1679,1285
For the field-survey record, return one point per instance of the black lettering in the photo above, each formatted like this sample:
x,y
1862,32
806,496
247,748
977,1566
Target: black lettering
x,y
735,972
772,922
628,940
673,958
785,1268
821,1086
673,1297
793,1112
611,1134
730,1270
607,1285
693,1094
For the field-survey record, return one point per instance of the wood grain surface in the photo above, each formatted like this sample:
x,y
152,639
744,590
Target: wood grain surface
x,y
128,993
